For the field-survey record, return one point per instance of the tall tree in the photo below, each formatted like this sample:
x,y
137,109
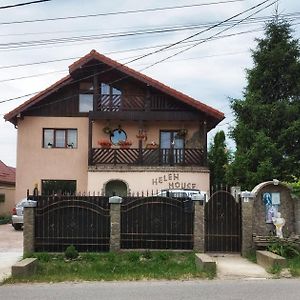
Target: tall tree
x,y
267,131
218,157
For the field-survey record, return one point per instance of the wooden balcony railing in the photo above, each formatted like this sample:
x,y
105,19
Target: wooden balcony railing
x,y
147,157
154,102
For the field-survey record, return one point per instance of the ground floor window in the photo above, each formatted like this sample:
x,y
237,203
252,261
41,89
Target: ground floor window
x,y
66,187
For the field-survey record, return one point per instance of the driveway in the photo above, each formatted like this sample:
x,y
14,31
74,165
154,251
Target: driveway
x,y
11,249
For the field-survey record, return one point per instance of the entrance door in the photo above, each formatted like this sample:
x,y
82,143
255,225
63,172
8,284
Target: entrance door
x,y
171,148
222,223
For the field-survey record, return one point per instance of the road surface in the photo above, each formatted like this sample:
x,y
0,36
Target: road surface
x,y
274,289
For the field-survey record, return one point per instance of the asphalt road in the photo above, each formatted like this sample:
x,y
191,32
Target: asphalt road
x,y
158,290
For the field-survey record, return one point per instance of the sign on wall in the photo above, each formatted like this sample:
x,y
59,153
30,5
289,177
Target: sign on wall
x,y
272,203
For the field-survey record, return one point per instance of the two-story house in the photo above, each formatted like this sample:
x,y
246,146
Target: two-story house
x,y
106,128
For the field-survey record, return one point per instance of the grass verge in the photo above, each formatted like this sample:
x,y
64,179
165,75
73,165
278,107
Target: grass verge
x,y
114,266
294,266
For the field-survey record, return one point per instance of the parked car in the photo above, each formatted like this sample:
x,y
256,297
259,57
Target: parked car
x,y
181,193
17,215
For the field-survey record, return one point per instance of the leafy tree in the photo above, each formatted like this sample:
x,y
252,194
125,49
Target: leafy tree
x,y
218,158
267,131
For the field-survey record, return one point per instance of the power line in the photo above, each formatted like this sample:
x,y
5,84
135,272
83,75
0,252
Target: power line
x,y
23,4
114,35
171,45
64,70
203,41
126,50
289,16
122,12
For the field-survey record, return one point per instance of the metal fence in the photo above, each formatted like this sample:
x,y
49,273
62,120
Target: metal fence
x,y
82,221
157,223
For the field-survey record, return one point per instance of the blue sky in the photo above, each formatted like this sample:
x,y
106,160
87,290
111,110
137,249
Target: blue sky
x,y
212,72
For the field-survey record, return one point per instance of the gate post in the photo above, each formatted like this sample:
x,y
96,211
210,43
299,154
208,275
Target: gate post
x,y
199,226
247,224
115,222
29,227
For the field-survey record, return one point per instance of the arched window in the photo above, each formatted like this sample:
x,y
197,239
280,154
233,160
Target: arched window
x,y
116,188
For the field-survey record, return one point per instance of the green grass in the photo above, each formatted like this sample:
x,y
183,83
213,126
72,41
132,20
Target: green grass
x,y
251,256
294,266
114,266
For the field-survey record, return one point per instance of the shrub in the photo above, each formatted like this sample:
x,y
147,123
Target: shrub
x,y
71,252
285,249
147,254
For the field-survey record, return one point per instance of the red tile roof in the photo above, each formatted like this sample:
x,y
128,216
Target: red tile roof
x,y
215,114
7,174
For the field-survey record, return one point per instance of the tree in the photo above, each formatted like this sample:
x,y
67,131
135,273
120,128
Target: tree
x,y
218,158
267,130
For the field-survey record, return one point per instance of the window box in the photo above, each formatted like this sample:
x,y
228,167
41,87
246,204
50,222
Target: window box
x,y
124,144
104,143
152,145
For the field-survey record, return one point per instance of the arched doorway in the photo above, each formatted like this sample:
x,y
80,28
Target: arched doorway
x,y
116,188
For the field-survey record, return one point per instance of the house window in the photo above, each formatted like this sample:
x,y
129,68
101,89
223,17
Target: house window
x,y
85,102
172,147
2,198
65,187
86,96
60,138
117,136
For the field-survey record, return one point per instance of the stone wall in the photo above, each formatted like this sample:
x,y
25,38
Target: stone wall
x,y
286,208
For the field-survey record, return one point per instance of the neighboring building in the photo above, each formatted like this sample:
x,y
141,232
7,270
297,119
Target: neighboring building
x,y
7,188
64,133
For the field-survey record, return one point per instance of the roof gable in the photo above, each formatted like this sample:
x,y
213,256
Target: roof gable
x,y
94,55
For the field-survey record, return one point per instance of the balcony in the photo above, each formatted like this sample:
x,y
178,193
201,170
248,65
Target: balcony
x,y
147,157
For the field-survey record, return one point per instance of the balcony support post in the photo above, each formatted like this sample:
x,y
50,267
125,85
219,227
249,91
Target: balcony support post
x,y
90,137
96,91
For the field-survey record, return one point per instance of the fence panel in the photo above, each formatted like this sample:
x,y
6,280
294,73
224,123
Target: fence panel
x,y
157,223
82,221
222,223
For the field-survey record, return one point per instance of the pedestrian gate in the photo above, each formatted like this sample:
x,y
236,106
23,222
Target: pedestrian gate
x,y
222,223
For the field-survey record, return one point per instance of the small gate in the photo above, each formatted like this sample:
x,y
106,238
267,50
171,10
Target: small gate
x,y
82,221
157,223
222,223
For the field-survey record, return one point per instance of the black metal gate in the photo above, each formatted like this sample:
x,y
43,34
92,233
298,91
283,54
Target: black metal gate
x,y
82,221
157,223
222,223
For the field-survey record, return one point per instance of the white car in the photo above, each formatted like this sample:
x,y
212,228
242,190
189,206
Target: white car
x,y
17,215
181,193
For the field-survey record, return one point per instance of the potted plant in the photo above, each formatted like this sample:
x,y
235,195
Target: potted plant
x,y
107,130
105,143
152,145
182,133
124,144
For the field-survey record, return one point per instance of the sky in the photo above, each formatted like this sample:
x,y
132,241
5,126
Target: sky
x,y
213,71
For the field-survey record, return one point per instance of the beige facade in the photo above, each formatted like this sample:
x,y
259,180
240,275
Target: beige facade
x,y
152,128
35,163
152,179
9,202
